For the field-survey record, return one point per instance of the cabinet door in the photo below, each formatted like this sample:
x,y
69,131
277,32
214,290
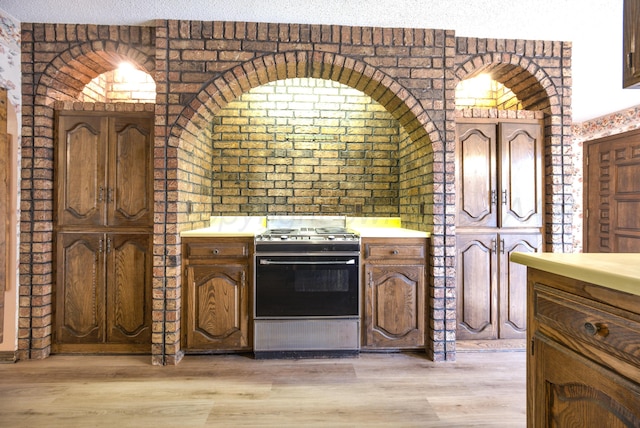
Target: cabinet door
x,y
477,286
513,284
81,182
129,193
520,175
394,306
570,390
80,288
476,174
631,44
217,307
129,267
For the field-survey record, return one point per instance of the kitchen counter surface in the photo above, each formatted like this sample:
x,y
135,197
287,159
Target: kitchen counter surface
x,y
240,226
389,232
248,226
618,271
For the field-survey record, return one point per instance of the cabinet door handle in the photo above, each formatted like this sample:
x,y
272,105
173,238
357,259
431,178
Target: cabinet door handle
x,y
630,61
593,329
494,197
100,194
216,251
395,252
493,245
108,245
504,197
100,243
110,195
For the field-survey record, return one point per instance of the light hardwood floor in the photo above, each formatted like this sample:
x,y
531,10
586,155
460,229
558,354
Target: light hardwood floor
x,y
480,389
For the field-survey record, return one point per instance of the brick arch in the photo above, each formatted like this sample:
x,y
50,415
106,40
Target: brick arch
x,y
397,100
527,80
70,71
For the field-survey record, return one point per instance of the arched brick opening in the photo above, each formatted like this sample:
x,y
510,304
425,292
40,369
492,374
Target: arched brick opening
x,y
537,90
58,86
192,134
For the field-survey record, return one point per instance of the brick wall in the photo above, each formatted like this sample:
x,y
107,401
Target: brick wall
x,y
202,68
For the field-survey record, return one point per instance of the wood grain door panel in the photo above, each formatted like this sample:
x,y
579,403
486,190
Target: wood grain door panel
x,y
129,299
513,283
476,174
477,281
131,176
218,303
395,304
80,288
521,175
81,170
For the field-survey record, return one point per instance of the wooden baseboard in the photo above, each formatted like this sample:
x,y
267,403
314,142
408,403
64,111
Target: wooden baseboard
x,y
7,357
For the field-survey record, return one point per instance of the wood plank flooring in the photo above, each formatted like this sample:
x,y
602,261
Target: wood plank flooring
x,y
480,389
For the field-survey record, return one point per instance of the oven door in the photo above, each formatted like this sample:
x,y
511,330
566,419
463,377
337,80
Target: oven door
x,y
306,286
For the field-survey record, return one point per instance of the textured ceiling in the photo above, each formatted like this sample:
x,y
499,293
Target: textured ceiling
x,y
593,26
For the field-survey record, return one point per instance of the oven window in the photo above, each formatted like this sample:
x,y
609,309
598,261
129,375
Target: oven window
x,y
323,281
297,287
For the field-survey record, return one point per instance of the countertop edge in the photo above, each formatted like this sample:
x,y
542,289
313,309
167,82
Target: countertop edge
x,y
605,269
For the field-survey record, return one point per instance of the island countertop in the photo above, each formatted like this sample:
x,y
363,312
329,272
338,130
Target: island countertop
x,y
618,271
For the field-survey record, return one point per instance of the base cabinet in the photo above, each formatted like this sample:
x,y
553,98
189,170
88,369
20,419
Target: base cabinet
x,y
583,365
491,290
394,293
103,300
217,294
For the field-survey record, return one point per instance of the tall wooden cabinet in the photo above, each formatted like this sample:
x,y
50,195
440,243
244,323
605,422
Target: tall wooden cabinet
x,y
104,219
631,44
499,211
612,194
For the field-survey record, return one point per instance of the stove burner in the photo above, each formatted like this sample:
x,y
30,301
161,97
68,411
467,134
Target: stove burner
x,y
280,231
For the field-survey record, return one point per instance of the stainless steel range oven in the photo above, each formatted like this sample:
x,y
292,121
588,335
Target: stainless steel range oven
x,y
307,288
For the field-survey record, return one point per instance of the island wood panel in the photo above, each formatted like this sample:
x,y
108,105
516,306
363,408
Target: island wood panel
x,y
584,355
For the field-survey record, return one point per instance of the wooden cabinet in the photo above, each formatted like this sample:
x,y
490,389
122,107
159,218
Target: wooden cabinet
x,y
217,303
583,365
499,210
631,44
104,170
499,174
491,297
394,278
104,220
612,194
103,292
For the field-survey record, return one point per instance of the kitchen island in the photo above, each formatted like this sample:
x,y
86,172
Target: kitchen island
x,y
583,360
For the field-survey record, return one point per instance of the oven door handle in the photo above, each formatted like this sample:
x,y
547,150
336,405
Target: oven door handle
x,y
302,262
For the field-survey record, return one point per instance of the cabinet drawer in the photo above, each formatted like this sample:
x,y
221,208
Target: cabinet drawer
x,y
617,333
391,252
213,250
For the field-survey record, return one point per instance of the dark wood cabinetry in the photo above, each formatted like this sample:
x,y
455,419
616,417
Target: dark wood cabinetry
x,y
612,194
499,177
104,241
394,292
583,367
491,297
631,44
217,281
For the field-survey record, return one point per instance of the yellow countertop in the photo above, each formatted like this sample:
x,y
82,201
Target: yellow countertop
x,y
618,271
241,226
247,226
